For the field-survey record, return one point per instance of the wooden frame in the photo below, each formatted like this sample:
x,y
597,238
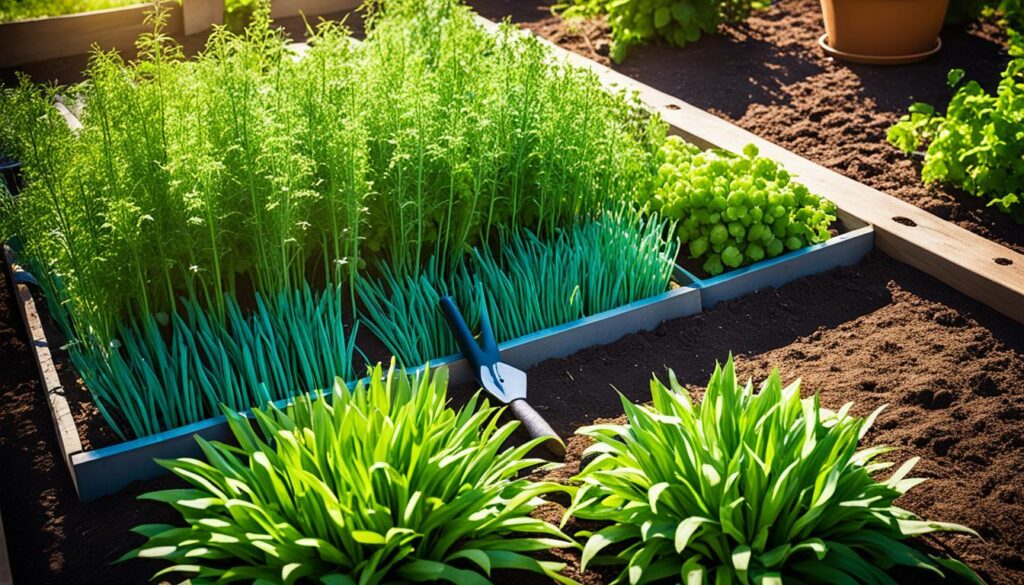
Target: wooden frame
x,y
978,267
286,8
39,39
935,249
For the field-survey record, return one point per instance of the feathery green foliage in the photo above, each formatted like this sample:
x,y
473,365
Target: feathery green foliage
x,y
247,171
529,284
978,145
748,488
381,484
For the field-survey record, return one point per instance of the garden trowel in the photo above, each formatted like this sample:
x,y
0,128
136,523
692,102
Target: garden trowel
x,y
501,380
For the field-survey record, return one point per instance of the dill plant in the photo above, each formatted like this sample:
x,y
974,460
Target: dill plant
x,y
196,186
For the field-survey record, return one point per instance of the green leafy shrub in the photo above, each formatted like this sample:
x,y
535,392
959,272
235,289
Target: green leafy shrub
x,y
382,484
978,145
735,210
676,22
529,284
1010,12
747,488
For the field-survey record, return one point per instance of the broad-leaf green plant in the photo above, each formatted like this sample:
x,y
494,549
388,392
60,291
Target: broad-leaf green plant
x,y
746,487
381,484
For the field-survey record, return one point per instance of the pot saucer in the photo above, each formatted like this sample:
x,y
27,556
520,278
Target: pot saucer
x,y
878,59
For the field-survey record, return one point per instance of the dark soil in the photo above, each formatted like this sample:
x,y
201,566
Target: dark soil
x,y
769,76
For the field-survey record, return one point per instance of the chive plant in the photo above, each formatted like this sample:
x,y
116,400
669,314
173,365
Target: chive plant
x,y
528,283
245,173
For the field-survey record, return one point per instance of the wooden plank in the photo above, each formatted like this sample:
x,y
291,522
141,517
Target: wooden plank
x,y
63,421
72,121
199,15
39,39
976,266
286,8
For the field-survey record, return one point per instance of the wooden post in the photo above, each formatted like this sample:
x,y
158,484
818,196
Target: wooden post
x,y
200,15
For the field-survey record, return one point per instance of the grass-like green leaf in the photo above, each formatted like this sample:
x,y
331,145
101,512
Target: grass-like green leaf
x,y
384,483
747,487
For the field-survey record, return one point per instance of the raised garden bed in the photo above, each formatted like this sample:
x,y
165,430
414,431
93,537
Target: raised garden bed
x,y
876,333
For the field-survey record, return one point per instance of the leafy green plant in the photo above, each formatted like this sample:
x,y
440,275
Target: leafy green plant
x,y
735,210
747,488
676,22
1010,12
528,283
381,484
978,145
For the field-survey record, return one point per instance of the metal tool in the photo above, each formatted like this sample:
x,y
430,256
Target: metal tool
x,y
501,380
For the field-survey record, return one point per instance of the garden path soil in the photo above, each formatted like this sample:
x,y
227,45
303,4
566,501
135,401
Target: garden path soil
x,y
951,370
769,76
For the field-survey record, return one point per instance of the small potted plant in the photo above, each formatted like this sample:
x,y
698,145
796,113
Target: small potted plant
x,y
883,32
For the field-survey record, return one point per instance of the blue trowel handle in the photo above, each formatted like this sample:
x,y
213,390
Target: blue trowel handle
x,y
464,337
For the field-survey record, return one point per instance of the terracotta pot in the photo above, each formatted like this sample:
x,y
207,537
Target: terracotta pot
x,y
883,28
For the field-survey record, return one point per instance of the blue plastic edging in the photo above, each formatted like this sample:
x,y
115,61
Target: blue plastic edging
x,y
844,249
110,469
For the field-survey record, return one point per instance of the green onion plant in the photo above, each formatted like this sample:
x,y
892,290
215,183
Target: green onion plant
x,y
527,282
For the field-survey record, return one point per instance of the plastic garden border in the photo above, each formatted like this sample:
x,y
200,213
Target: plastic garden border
x,y
845,249
107,470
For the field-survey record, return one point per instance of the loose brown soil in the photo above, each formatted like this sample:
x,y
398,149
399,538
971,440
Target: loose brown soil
x,y
951,371
769,76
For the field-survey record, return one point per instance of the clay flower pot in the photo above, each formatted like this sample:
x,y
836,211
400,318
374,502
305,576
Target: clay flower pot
x,y
882,31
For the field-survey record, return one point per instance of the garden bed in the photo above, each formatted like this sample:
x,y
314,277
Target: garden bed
x,y
768,75
104,464
877,333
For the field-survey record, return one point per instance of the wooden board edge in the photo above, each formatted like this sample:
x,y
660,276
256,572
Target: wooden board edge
x,y
66,35
68,439
978,267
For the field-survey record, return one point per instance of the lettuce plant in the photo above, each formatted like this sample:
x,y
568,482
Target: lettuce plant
x,y
676,22
978,144
761,488
382,484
